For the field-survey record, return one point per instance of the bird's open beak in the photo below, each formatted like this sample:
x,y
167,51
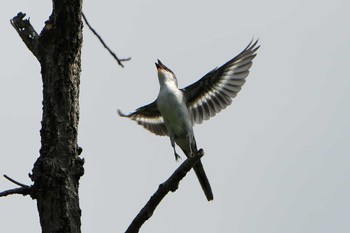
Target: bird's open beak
x,y
159,65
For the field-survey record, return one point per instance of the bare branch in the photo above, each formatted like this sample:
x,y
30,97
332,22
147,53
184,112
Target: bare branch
x,y
24,189
104,44
171,184
16,182
26,31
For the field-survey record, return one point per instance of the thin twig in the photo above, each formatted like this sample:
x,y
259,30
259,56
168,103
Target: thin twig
x,y
171,184
104,44
15,182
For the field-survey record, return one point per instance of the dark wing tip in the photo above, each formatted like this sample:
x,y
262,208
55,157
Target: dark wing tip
x,y
121,114
252,46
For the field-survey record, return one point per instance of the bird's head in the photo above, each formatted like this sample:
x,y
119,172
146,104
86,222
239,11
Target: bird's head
x,y
165,75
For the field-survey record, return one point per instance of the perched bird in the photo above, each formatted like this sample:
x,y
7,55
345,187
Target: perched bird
x,y
175,110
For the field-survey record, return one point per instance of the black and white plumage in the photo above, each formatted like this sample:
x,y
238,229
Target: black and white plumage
x,y
176,110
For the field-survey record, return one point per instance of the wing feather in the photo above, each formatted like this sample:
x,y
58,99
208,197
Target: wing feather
x,y
149,117
216,89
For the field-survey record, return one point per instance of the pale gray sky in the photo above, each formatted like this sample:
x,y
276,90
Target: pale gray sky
x,y
277,158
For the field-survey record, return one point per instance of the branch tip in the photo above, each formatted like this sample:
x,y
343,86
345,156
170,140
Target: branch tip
x,y
27,33
16,182
119,60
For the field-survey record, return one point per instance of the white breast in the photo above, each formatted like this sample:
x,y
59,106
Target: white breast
x,y
174,110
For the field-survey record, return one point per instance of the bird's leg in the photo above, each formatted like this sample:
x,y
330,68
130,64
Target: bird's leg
x,y
172,140
177,156
189,139
192,141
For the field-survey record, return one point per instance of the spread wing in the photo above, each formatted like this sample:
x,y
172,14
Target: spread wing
x,y
216,89
149,117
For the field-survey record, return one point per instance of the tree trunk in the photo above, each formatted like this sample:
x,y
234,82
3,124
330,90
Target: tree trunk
x,y
57,171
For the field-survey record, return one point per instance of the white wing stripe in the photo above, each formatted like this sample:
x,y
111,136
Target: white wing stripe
x,y
217,88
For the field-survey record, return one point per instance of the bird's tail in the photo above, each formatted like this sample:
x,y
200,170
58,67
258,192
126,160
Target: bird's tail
x,y
203,180
198,168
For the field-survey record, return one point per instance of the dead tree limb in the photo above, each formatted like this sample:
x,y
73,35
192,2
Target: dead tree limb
x,y
171,184
26,31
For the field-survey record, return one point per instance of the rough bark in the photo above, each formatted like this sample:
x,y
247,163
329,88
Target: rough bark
x,y
57,171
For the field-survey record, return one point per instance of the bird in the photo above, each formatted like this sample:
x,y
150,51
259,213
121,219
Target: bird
x,y
176,111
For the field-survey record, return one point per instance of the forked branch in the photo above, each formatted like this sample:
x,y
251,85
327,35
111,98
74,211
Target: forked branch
x,y
24,189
